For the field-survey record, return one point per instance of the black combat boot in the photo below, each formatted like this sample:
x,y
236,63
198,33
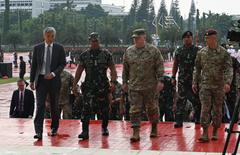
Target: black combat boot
x,y
105,131
136,135
179,121
85,129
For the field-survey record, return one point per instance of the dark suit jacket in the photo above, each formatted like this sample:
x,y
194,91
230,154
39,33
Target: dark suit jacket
x,y
28,104
58,61
22,67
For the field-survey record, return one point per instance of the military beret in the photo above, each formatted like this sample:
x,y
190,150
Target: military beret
x,y
210,32
187,33
93,36
138,32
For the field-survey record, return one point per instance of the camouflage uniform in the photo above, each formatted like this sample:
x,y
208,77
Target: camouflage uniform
x,y
116,106
65,93
186,59
213,69
142,69
95,88
64,97
166,99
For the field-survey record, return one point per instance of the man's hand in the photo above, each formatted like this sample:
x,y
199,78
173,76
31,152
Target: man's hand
x,y
227,88
160,87
194,88
32,86
49,76
125,88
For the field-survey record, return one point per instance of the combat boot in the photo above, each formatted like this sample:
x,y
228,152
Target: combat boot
x,y
215,134
85,129
179,121
135,137
204,137
154,130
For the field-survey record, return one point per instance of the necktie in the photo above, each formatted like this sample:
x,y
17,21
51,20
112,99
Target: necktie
x,y
20,106
48,61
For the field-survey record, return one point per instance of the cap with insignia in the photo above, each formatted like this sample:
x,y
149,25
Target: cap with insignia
x,y
138,32
187,33
93,36
210,32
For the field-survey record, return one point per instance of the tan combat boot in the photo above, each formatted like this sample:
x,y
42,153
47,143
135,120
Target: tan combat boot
x,y
135,137
215,134
204,137
154,130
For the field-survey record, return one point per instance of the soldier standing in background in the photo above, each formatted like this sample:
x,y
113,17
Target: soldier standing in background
x,y
184,62
117,103
65,105
142,72
212,77
96,88
166,99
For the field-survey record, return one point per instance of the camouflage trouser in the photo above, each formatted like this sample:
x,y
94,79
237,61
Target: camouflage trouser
x,y
140,99
95,105
66,108
185,93
166,108
212,101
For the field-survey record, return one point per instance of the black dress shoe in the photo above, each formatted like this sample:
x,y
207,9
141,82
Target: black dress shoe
x,y
53,132
105,132
178,125
38,136
83,136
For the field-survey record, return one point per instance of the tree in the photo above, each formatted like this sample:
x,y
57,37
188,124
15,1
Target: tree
x,y
6,25
72,35
151,17
191,17
197,20
162,12
131,18
14,38
175,12
143,11
95,11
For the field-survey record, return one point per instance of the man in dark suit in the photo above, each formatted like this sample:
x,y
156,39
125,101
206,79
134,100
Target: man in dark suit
x,y
22,103
47,64
22,68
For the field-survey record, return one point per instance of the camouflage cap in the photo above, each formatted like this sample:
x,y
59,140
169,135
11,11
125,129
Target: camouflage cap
x,y
187,33
138,32
93,36
210,32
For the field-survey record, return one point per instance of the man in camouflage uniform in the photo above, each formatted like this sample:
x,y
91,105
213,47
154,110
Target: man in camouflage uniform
x,y
212,76
65,105
142,72
96,88
117,103
184,62
166,99
65,93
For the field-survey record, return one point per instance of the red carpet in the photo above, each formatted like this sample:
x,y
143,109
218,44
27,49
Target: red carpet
x,y
19,132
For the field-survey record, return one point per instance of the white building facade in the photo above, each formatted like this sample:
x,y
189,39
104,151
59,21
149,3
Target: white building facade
x,y
37,7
